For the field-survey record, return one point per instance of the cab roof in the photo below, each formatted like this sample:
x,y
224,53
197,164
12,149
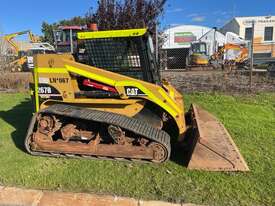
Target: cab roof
x,y
111,34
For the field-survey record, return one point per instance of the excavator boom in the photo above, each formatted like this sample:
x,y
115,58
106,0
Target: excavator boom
x,y
9,38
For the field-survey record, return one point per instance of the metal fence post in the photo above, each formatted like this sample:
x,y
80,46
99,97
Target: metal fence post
x,y
71,41
252,56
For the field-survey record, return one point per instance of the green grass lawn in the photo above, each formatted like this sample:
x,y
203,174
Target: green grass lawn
x,y
249,119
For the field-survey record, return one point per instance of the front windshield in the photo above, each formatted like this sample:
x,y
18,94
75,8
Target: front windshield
x,y
199,48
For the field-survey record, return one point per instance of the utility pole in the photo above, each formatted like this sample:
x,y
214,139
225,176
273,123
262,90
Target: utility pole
x,y
251,55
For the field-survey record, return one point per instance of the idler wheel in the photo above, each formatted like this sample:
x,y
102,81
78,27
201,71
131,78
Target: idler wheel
x,y
160,153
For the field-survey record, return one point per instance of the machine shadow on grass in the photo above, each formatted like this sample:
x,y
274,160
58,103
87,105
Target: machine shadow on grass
x,y
19,117
182,150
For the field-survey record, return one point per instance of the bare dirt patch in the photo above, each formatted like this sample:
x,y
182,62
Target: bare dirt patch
x,y
218,81
236,82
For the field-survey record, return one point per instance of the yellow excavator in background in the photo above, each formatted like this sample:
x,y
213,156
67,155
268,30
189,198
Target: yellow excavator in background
x,y
108,101
20,56
10,37
198,56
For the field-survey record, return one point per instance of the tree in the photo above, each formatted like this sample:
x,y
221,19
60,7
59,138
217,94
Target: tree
x,y
127,14
114,14
47,29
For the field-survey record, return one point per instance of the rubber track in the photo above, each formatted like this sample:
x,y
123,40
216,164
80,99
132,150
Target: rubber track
x,y
134,125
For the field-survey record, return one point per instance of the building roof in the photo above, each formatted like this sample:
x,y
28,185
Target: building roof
x,y
250,17
261,19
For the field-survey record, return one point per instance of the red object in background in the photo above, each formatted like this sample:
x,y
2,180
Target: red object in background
x,y
93,27
71,27
96,85
184,39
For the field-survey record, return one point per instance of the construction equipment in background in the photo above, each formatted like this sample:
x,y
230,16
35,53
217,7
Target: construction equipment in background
x,y
234,54
19,59
65,38
22,57
198,56
114,105
10,39
38,48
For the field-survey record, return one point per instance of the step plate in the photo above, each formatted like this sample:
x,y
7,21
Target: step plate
x,y
215,149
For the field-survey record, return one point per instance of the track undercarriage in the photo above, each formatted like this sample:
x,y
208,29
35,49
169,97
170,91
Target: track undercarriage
x,y
63,130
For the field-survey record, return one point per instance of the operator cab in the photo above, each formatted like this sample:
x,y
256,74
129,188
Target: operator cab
x,y
199,48
127,52
198,54
65,38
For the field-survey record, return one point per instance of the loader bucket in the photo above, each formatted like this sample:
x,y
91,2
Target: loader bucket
x,y
213,148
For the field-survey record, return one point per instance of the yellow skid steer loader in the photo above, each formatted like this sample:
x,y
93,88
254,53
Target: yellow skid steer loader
x,y
108,102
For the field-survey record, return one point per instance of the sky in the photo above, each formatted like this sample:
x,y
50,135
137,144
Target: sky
x,y
19,15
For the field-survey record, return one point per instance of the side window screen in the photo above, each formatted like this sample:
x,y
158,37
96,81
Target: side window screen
x,y
118,55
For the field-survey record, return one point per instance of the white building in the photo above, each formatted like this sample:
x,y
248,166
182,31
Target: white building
x,y
213,40
177,42
181,37
264,35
